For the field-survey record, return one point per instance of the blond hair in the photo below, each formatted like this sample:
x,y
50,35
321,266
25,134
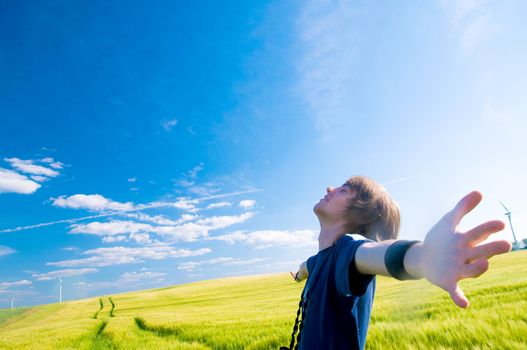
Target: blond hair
x,y
372,212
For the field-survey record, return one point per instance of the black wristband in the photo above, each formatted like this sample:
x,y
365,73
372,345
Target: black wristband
x,y
394,259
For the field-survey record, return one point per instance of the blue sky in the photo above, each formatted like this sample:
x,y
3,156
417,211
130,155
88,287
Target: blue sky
x,y
165,142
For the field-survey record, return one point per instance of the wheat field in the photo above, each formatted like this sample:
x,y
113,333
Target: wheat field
x,y
257,312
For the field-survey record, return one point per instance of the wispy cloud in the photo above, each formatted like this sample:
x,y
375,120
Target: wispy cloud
x,y
168,124
191,265
327,49
66,221
218,205
53,163
470,20
4,250
134,277
126,279
8,285
126,255
62,273
70,248
161,219
247,203
402,179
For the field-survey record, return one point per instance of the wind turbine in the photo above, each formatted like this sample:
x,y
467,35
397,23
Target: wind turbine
x,y
60,290
508,214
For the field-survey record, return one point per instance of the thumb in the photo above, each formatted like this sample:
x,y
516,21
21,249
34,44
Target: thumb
x,y
458,297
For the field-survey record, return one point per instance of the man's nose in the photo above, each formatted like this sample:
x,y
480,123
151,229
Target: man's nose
x,y
329,189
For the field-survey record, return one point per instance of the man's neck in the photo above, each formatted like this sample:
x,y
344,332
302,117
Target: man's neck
x,y
329,234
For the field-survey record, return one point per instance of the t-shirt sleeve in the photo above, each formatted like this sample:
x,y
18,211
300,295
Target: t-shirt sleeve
x,y
310,263
348,280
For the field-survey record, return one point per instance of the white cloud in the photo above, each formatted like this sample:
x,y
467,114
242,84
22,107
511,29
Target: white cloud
x,y
168,124
39,178
247,203
27,166
62,273
12,182
126,278
187,203
52,163
114,239
231,238
191,265
4,250
94,202
217,222
132,179
111,228
219,205
141,238
204,189
57,165
133,277
126,255
191,231
7,285
271,238
182,231
160,219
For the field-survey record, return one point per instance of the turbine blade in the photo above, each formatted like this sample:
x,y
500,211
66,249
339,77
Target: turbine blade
x,y
503,205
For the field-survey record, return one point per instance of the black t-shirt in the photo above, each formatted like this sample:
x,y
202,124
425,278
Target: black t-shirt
x,y
338,298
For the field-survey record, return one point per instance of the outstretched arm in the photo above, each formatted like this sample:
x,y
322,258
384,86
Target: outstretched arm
x,y
302,272
447,255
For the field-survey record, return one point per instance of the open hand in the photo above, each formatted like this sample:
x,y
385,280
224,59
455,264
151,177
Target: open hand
x,y
449,255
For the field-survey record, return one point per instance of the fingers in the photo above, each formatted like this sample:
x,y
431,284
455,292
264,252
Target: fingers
x,y
475,269
458,297
482,232
488,250
465,205
293,275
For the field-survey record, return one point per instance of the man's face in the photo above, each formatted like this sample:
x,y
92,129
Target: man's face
x,y
333,205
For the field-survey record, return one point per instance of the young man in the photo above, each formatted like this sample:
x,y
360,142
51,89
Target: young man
x,y
337,299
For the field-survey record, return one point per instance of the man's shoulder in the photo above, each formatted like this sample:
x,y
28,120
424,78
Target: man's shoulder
x,y
356,237
351,241
352,238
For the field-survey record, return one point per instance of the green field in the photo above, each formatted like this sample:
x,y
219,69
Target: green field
x,y
257,313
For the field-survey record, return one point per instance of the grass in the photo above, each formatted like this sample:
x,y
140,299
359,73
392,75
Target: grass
x,y
258,313
9,314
